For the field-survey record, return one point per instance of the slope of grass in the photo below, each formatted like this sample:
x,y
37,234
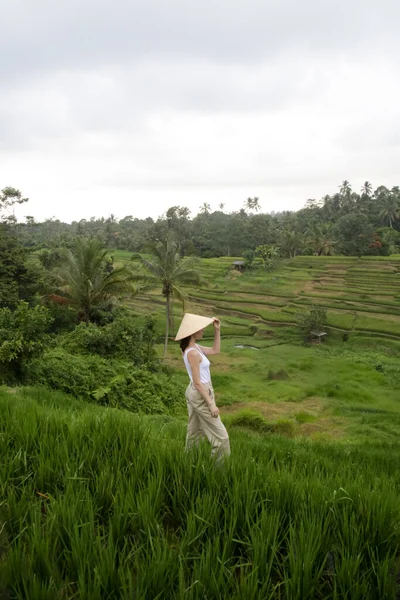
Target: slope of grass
x,y
336,384
98,503
369,287
259,309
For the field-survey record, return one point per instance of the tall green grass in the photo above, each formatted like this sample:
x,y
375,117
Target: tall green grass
x,y
99,504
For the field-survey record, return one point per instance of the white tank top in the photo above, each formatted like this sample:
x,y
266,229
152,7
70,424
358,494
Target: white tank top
x,y
205,376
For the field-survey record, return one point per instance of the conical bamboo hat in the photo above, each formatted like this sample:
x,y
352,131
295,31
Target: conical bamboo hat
x,y
190,324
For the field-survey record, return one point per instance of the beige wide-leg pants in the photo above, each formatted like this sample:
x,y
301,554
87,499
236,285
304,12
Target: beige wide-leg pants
x,y
202,424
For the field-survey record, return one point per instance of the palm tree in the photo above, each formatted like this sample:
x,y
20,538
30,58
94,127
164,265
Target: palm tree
x,y
109,229
292,242
221,206
166,270
252,204
321,240
366,189
329,209
183,212
269,254
390,210
273,251
205,208
345,188
85,279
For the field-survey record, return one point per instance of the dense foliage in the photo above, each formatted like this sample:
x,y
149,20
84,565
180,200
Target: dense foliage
x,y
98,503
114,364
346,222
87,281
110,357
23,333
108,382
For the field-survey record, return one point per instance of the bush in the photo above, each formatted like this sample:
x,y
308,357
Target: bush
x,y
73,374
140,390
249,256
311,320
64,317
112,383
123,338
23,334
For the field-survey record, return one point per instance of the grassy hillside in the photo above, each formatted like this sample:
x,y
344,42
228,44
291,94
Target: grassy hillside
x,y
360,294
343,391
98,504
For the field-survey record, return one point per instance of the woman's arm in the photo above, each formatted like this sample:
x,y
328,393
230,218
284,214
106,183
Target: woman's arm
x,y
194,360
216,347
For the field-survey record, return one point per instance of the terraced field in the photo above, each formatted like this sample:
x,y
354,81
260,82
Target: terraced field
x,y
360,295
266,379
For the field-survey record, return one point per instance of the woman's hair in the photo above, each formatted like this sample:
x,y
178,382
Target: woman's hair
x,y
184,343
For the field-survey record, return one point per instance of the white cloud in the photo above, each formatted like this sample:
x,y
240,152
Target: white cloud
x,y
130,108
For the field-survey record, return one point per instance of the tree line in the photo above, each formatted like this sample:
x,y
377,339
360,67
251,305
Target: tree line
x,y
346,222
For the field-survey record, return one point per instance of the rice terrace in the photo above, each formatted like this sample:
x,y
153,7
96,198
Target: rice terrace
x,y
102,503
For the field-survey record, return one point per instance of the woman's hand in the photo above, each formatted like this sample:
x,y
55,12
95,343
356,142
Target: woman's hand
x,y
214,410
217,324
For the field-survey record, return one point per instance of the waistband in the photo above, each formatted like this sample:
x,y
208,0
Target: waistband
x,y
209,384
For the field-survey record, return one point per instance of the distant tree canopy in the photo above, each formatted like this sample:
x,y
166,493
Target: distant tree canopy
x,y
18,279
348,222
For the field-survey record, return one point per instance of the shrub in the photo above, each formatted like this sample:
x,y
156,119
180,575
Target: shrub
x,y
140,390
23,333
112,383
73,374
311,320
124,338
249,256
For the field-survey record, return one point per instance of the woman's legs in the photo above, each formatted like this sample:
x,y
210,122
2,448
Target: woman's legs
x,y
194,431
201,420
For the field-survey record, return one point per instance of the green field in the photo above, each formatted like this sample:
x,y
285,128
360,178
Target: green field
x,y
347,391
99,503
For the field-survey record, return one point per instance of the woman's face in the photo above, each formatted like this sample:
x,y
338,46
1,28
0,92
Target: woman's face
x,y
198,335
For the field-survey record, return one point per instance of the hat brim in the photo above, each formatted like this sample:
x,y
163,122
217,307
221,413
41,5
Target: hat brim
x,y
190,324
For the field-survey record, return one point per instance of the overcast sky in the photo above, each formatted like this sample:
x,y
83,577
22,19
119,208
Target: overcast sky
x,y
129,107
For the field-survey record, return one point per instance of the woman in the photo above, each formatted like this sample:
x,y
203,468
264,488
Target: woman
x,y
204,420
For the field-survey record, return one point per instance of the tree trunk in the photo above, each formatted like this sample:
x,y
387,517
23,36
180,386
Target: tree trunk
x,y
166,324
172,316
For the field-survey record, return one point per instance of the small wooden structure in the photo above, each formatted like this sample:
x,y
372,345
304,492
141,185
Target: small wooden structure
x,y
317,337
239,265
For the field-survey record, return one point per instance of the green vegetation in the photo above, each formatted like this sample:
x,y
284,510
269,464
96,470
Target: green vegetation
x,y
339,385
102,504
344,223
86,281
166,270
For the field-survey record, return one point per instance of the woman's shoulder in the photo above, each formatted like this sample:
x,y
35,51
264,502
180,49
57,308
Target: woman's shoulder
x,y
192,355
190,348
